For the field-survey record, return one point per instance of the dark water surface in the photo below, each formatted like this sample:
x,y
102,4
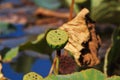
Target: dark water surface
x,y
40,66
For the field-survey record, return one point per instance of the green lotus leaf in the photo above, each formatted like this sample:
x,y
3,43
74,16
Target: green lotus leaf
x,y
39,45
90,74
114,78
12,53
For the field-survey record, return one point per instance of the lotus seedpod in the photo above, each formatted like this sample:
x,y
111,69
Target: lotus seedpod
x,y
32,76
57,39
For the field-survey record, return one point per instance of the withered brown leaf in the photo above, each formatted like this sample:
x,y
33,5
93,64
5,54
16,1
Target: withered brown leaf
x,y
83,42
90,56
78,33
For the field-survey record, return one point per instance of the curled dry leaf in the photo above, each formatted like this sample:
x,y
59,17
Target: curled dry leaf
x,y
78,33
94,44
83,42
89,56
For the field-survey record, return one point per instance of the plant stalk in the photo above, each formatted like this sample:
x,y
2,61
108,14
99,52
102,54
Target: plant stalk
x,y
71,10
58,53
106,61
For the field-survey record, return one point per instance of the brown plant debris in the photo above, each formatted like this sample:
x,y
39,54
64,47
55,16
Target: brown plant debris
x,y
49,13
49,21
45,16
6,5
83,41
67,64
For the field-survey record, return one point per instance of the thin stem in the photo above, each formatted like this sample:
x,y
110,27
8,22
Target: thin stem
x,y
53,66
58,53
106,61
71,10
56,67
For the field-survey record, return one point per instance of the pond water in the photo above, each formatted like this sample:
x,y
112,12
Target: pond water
x,y
40,66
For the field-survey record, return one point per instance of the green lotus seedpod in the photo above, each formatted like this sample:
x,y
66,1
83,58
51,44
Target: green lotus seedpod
x,y
57,39
32,76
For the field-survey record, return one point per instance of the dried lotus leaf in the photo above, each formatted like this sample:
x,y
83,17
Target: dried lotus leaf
x,y
78,33
90,52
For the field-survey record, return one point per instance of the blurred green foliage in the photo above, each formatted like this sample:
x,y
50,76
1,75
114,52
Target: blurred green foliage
x,y
102,11
11,54
49,4
90,74
106,11
39,45
113,55
6,28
